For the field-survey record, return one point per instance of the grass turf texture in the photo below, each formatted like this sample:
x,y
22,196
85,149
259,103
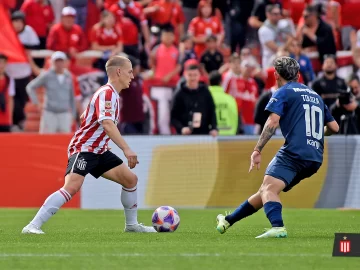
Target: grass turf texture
x,y
83,239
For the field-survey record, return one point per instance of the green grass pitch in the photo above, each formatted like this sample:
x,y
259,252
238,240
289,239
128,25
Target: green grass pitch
x,y
84,239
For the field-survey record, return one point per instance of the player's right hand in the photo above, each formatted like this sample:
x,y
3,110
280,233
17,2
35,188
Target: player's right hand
x,y
255,160
131,157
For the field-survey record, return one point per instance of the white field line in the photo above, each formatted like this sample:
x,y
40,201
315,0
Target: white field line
x,y
9,255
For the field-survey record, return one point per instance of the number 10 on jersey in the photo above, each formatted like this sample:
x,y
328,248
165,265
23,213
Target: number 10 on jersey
x,y
313,120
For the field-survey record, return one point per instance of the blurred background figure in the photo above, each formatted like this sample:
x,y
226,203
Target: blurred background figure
x,y
165,58
258,14
354,84
239,83
227,116
346,112
132,114
40,16
67,36
205,25
186,50
212,59
106,36
7,93
131,18
59,110
164,12
270,35
237,22
306,69
22,74
316,35
193,109
329,86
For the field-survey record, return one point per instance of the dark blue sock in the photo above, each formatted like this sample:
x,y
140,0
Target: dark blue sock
x,y
273,213
244,210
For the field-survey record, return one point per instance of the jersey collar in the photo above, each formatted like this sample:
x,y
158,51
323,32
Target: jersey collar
x,y
112,88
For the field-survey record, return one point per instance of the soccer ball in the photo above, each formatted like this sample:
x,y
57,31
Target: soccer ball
x,y
165,219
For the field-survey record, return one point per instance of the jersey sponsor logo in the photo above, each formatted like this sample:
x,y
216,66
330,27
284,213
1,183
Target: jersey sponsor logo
x,y
305,90
313,143
81,164
107,112
272,100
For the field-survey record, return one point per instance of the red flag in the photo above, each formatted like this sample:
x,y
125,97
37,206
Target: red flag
x,y
10,44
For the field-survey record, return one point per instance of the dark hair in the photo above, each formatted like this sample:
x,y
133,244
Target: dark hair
x,y
18,15
270,8
3,57
215,77
211,38
313,9
167,28
287,67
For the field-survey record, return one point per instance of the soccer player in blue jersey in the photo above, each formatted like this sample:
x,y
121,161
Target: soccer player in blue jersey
x,y
304,120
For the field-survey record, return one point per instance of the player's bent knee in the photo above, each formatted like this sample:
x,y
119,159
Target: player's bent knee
x,y
130,181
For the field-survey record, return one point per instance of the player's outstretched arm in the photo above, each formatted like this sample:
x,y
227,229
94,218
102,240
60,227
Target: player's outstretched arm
x,y
114,134
331,128
270,127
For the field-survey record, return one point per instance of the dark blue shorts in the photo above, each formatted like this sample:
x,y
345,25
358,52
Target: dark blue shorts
x,y
291,170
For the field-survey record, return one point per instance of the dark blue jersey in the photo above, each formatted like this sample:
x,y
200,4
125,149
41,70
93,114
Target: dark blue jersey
x,y
303,115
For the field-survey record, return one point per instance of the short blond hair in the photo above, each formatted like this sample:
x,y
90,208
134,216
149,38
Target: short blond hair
x,y
116,61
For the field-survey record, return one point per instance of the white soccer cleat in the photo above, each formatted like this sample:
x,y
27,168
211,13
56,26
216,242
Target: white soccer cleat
x,y
274,232
222,224
139,228
31,229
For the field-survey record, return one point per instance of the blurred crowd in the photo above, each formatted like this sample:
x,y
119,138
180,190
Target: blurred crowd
x,y
216,56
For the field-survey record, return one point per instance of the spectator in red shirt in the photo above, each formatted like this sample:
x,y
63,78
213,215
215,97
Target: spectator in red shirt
x,y
165,58
130,16
163,12
66,36
205,25
39,15
7,92
238,83
106,36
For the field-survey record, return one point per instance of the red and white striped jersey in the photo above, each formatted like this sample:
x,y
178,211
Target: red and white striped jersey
x,y
91,136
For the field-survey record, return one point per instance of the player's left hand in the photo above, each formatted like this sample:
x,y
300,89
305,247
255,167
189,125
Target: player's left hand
x,y
131,157
255,160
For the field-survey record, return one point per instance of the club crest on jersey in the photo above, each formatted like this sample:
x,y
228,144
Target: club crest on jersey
x,y
107,104
81,164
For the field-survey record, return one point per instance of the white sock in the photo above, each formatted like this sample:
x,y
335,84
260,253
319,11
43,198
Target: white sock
x,y
129,201
51,206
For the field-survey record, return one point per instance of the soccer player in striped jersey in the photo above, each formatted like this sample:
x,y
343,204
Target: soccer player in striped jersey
x,y
88,152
